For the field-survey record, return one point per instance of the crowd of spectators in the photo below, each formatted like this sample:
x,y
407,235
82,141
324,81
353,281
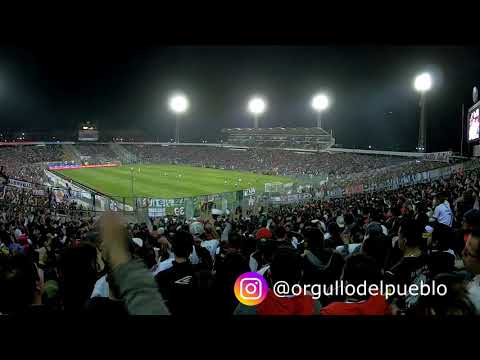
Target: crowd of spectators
x,y
278,162
379,175
26,162
342,169
65,260
96,153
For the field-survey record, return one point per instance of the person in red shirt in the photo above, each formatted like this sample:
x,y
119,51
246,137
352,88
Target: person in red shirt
x,y
286,266
359,268
263,232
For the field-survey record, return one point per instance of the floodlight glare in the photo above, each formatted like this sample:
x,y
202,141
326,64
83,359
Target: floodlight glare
x,y
178,103
320,102
423,82
257,106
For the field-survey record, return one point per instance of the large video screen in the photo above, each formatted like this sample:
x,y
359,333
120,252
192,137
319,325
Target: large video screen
x,y
474,122
88,135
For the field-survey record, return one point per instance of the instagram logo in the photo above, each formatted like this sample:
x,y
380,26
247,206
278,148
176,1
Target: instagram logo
x,y
251,288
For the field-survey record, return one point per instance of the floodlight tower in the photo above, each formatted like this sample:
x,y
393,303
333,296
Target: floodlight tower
x,y
422,84
178,104
320,103
256,106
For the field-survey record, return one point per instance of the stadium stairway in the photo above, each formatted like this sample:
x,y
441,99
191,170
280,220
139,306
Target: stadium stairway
x,y
70,153
123,154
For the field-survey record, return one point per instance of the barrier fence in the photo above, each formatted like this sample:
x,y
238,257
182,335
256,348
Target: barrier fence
x,y
400,181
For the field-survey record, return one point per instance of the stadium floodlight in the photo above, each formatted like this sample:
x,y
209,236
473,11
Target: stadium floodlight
x,y
257,106
320,103
178,104
422,84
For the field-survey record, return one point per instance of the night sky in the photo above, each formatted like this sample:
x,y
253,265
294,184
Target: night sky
x,y
56,86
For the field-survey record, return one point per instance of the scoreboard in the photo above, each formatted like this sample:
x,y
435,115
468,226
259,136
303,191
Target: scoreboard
x,y
474,122
87,132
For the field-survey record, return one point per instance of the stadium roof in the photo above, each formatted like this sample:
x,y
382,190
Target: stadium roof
x,y
277,130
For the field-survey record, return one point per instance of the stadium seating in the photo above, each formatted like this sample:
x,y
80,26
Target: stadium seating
x,y
413,234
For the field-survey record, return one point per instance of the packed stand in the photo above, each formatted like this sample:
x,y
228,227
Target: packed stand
x,y
277,162
423,233
26,162
96,153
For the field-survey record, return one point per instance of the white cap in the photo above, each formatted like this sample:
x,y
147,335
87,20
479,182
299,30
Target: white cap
x,y
138,242
217,212
197,228
340,221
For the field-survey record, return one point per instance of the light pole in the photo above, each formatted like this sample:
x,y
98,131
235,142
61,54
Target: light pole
x,y
422,84
256,106
320,103
131,179
178,104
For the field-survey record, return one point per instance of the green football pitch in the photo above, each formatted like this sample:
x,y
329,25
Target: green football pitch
x,y
168,181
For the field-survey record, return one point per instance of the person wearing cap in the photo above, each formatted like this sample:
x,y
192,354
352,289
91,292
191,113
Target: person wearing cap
x,y
197,230
263,232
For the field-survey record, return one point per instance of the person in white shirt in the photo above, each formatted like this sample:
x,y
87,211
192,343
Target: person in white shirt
x,y
471,260
197,230
443,213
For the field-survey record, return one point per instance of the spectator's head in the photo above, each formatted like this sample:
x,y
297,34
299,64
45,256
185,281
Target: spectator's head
x,y
281,233
264,233
197,229
442,237
373,228
439,198
471,219
21,284
455,302
286,266
471,252
378,246
333,229
78,274
340,222
266,248
359,268
349,219
234,264
410,234
235,240
314,239
182,245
